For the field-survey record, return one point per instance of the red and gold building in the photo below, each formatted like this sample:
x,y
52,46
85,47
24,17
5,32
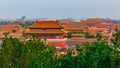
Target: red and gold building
x,y
46,30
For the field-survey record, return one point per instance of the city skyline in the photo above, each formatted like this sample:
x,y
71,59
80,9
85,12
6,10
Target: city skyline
x,y
60,8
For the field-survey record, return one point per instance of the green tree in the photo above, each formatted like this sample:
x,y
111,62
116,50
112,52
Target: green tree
x,y
116,39
116,45
88,35
69,35
36,54
14,31
98,36
10,52
96,55
32,54
6,34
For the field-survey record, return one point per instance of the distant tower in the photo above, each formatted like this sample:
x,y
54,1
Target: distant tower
x,y
23,18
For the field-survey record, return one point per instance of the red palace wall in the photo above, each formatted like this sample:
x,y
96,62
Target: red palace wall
x,y
49,37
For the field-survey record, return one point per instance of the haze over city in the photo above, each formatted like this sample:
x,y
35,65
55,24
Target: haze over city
x,y
60,8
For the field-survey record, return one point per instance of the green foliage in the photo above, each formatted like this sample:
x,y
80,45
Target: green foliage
x,y
24,34
6,34
116,21
27,23
98,36
116,44
14,31
10,52
69,35
100,55
88,35
78,32
32,54
36,54
3,22
116,38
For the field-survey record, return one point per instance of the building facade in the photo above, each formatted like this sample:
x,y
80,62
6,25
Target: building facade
x,y
46,30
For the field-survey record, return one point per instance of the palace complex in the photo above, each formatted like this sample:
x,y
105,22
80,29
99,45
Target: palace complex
x,y
56,33
13,29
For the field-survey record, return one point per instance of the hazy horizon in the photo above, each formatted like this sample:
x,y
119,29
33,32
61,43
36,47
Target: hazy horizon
x,y
60,8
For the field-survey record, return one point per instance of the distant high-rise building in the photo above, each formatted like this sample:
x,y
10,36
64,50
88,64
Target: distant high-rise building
x,y
23,18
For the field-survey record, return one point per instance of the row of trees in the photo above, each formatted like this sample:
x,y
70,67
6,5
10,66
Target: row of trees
x,y
36,54
26,23
88,35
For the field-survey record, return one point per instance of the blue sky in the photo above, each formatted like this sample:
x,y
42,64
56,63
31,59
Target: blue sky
x,y
60,8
